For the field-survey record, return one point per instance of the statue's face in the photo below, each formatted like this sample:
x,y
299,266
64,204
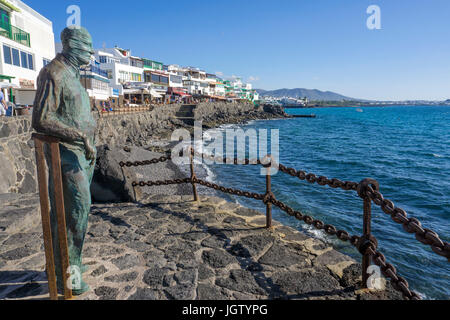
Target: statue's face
x,y
77,43
84,52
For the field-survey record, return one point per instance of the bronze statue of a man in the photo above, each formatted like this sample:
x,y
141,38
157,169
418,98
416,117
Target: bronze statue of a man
x,y
62,109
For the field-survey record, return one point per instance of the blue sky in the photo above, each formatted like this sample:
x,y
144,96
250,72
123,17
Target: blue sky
x,y
314,44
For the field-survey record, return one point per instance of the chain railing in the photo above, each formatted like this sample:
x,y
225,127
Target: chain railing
x,y
367,189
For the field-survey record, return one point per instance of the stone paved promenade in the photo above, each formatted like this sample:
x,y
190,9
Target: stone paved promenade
x,y
173,248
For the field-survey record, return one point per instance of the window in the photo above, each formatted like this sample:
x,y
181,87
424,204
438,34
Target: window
x,y
16,57
30,62
176,79
136,63
124,76
4,15
24,59
163,79
136,77
103,59
155,78
7,54
99,85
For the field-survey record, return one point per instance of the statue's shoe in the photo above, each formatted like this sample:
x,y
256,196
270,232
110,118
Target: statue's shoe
x,y
77,289
84,287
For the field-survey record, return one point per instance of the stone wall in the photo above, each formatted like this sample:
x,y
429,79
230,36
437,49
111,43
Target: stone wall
x,y
17,167
137,128
17,160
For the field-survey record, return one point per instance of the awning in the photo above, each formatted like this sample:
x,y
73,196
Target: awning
x,y
136,91
9,5
181,93
9,85
155,94
218,97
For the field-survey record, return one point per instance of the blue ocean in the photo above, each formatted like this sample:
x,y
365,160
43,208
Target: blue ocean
x,y
407,149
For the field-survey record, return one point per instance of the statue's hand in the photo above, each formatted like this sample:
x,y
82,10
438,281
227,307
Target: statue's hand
x,y
90,151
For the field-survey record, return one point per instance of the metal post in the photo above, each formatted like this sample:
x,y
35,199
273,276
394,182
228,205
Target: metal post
x,y
367,239
61,217
268,205
194,187
366,259
45,215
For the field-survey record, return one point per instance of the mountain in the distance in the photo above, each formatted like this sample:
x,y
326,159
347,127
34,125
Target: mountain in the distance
x,y
311,94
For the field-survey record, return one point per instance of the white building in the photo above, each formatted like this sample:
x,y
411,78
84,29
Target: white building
x,y
195,81
220,88
176,76
121,67
96,82
27,44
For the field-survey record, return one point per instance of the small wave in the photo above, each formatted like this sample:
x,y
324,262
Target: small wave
x,y
437,155
318,234
229,126
210,176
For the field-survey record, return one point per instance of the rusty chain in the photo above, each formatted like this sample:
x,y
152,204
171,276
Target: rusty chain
x,y
321,180
234,161
389,271
161,182
237,192
145,162
410,225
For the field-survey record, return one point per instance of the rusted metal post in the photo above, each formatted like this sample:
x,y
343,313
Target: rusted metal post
x,y
269,204
60,213
367,240
45,215
367,230
61,217
194,187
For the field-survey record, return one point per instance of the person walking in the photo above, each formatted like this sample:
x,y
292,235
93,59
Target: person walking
x,y
3,106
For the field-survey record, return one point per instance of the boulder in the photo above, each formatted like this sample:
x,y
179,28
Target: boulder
x,y
113,183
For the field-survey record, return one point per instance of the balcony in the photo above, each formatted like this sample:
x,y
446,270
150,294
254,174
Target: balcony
x,y
98,71
9,31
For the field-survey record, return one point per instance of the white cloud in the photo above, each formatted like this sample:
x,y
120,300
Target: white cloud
x,y
252,79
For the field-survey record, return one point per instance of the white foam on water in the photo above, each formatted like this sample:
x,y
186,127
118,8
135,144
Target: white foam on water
x,y
318,234
210,176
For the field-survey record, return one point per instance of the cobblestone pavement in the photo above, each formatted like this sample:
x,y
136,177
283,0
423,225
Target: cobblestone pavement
x,y
174,248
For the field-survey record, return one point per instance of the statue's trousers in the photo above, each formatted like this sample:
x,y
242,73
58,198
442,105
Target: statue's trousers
x,y
77,175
